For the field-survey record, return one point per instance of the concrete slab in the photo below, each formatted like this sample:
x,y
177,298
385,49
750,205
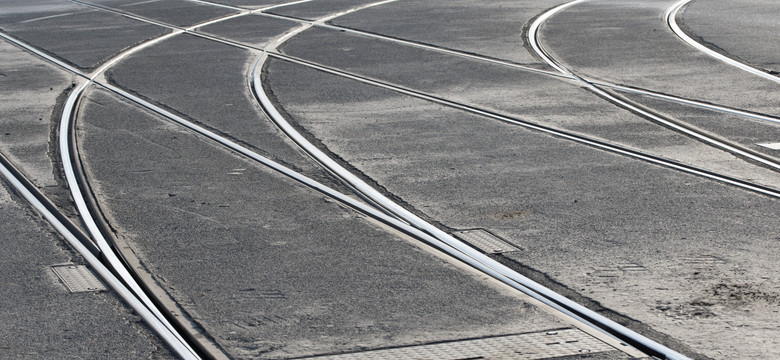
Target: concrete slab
x,y
271,269
31,11
665,249
30,90
41,318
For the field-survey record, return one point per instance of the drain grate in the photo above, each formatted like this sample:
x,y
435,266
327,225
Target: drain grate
x,y
485,241
540,345
77,278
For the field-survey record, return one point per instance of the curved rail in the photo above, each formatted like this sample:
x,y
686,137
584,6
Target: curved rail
x,y
671,19
28,191
673,124
452,248
368,210
449,243
66,144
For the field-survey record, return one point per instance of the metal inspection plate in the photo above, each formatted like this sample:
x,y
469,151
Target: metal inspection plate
x,y
77,278
538,345
485,241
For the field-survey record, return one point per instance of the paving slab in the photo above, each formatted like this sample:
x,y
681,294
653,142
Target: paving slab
x,y
529,96
669,250
269,268
41,318
599,40
746,31
79,35
494,29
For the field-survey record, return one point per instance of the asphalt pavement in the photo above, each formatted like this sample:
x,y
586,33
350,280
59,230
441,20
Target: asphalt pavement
x,y
443,107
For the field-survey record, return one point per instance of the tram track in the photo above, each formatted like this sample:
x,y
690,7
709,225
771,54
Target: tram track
x,y
422,231
99,253
442,240
520,67
367,210
595,87
670,17
455,248
81,243
325,25
679,126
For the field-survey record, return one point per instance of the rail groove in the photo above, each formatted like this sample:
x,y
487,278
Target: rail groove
x,y
418,227
638,109
670,16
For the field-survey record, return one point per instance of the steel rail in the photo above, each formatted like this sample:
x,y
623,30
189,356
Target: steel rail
x,y
625,89
346,200
467,55
602,145
474,258
271,51
30,193
66,142
673,124
445,241
119,91
670,16
538,294
672,98
691,102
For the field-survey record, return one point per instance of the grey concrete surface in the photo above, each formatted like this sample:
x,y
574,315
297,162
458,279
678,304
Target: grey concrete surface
x,y
41,318
529,96
181,13
746,31
670,250
62,32
631,45
492,28
269,268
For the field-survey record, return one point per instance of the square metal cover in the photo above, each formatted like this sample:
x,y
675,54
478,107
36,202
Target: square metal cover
x,y
485,241
538,345
77,278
